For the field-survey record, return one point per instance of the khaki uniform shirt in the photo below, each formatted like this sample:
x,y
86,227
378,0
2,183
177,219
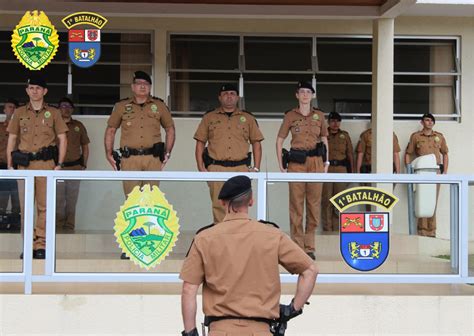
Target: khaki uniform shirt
x,y
307,131
237,262
76,138
3,141
340,145
36,129
365,146
141,123
228,137
422,144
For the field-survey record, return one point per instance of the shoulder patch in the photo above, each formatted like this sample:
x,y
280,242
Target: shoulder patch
x,y
269,223
158,98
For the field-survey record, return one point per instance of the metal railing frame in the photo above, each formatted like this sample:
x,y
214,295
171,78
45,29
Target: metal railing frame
x,y
459,229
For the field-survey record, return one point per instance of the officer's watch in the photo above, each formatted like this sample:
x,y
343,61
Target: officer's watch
x,y
61,164
327,163
167,154
254,168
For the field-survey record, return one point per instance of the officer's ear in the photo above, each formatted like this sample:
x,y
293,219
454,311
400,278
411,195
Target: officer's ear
x,y
45,91
251,202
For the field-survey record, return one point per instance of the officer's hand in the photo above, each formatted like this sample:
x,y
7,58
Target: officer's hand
x,y
193,332
283,170
111,160
326,168
202,169
58,167
287,312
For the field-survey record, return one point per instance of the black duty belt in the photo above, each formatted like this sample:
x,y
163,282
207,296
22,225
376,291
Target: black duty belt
x,y
338,162
311,152
45,154
209,319
247,161
126,152
78,162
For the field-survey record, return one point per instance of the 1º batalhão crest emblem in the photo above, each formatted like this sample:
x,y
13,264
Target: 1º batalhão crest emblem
x,y
146,227
35,41
84,41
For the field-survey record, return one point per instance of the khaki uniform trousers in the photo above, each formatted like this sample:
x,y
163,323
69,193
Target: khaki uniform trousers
x,y
39,234
330,215
139,163
427,226
239,328
218,211
67,193
302,193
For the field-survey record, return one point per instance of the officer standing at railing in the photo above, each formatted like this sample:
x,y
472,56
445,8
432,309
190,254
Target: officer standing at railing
x,y
237,261
228,131
8,188
140,119
35,127
341,160
424,142
77,155
308,154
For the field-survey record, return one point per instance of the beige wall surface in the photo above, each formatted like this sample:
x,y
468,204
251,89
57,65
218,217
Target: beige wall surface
x,y
192,201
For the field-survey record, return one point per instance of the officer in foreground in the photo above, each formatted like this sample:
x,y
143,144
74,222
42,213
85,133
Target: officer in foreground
x,y
140,119
237,263
228,131
424,142
341,160
77,155
36,127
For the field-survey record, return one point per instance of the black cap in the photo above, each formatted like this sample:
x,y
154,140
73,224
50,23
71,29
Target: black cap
x,y
305,85
428,115
37,80
334,116
142,75
235,186
12,101
66,100
228,87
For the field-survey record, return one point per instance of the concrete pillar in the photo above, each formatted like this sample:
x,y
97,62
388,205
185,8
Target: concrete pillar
x,y
382,96
160,75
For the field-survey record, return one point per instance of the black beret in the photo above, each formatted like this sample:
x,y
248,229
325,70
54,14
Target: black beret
x,y
305,85
428,115
235,186
37,80
142,75
334,116
228,87
12,101
66,100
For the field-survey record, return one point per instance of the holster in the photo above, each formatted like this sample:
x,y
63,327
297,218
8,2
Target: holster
x,y
285,157
117,158
322,151
348,166
206,159
20,159
297,156
159,150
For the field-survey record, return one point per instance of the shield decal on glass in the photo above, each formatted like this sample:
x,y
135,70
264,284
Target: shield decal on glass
x,y
364,239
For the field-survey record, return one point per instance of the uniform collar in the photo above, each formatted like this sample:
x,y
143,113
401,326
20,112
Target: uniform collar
x,y
311,112
148,100
236,111
338,131
30,107
233,216
433,133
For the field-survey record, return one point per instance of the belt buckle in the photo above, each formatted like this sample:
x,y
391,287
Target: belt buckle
x,y
141,151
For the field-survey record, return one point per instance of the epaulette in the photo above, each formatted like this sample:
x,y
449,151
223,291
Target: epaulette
x,y
318,109
197,232
158,98
268,223
289,111
212,109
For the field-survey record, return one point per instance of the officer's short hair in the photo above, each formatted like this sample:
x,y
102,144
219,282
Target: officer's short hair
x,y
428,115
65,100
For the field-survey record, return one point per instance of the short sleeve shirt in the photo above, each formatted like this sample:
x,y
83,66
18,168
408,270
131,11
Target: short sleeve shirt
x,y
140,123
76,138
340,145
365,146
228,137
421,144
238,280
306,131
36,129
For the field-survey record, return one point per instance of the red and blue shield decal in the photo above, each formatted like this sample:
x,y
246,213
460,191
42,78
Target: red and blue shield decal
x,y
84,47
364,239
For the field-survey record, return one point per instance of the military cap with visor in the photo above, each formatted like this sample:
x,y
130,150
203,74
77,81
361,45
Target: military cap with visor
x,y
228,87
37,80
334,116
235,187
142,75
305,85
428,115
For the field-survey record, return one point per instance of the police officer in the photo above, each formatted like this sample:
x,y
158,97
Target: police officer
x,y
308,154
8,188
428,141
341,160
36,126
77,155
227,131
237,263
364,153
141,119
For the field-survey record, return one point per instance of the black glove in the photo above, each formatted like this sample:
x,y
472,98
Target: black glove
x,y
287,312
193,332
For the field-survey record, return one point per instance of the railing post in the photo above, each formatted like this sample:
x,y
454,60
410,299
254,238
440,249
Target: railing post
x,y
262,196
28,215
50,225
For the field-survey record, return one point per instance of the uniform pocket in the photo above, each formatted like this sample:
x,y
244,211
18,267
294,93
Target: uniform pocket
x,y
47,126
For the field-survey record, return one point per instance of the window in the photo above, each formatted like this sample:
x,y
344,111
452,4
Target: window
x,y
95,89
427,73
